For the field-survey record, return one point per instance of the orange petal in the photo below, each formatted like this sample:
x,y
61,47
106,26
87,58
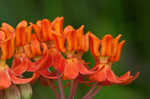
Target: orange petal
x,y
106,49
68,29
43,62
28,51
4,51
57,25
85,46
5,81
20,65
28,34
35,46
59,42
100,75
46,29
68,32
20,33
83,69
49,75
9,31
37,30
112,78
94,45
58,61
71,69
19,80
79,38
117,57
131,78
2,36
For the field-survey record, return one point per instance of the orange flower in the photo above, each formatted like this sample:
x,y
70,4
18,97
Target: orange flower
x,y
46,31
7,76
77,44
106,52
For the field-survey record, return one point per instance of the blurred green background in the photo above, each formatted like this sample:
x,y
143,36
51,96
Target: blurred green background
x,y
131,18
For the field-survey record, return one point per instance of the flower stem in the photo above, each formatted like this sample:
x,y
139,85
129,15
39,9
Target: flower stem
x,y
1,94
73,89
94,93
60,87
90,91
53,89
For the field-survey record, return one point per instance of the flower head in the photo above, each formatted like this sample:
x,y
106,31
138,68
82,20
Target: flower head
x,y
106,52
7,75
77,44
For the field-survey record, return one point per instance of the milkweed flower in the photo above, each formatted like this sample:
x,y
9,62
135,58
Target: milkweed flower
x,y
77,45
7,76
44,31
106,52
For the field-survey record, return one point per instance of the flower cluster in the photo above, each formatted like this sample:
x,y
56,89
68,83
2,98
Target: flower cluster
x,y
44,45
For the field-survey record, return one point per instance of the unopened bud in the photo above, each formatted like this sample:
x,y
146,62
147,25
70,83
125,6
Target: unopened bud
x,y
12,93
26,91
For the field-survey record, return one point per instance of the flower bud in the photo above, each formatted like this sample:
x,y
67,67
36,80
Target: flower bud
x,y
26,91
12,93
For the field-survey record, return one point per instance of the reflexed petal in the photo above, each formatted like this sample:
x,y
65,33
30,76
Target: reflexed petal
x,y
20,65
49,75
100,75
131,78
19,80
58,61
35,66
71,69
83,69
112,78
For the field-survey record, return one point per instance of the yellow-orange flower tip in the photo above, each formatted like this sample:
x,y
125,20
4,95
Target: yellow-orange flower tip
x,y
106,45
23,33
46,29
57,24
8,30
68,29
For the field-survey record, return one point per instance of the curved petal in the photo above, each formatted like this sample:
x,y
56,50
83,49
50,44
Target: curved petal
x,y
18,80
112,78
124,79
35,66
49,75
20,66
100,75
131,78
